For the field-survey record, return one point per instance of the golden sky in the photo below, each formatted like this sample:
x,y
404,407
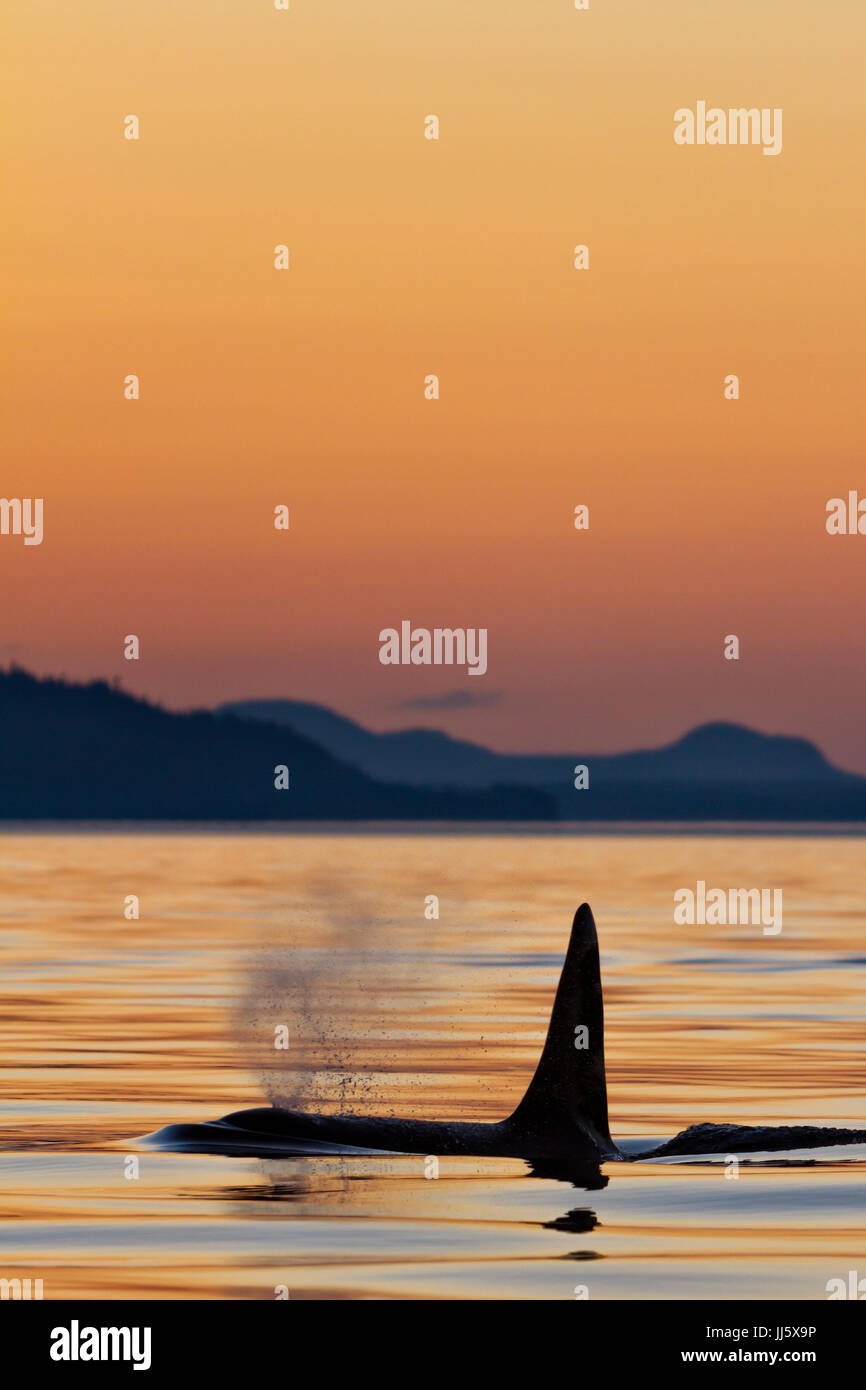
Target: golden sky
x,y
454,257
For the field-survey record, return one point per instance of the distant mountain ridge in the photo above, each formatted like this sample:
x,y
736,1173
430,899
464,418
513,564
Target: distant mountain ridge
x,y
92,752
72,751
717,771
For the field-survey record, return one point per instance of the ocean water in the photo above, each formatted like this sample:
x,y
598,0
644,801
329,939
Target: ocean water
x,y
112,1027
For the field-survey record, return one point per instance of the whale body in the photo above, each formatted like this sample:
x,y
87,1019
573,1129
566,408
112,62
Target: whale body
x,y
560,1125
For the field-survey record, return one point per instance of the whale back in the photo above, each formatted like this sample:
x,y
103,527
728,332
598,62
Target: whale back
x,y
568,1093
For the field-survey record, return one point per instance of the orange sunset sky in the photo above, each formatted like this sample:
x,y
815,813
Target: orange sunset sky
x,y
454,257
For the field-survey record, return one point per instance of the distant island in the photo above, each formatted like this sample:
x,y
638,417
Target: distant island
x,y
90,751
718,771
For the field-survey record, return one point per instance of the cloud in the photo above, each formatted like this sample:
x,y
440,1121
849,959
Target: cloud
x,y
451,699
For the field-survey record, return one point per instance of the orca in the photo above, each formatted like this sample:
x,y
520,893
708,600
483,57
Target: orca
x,y
560,1126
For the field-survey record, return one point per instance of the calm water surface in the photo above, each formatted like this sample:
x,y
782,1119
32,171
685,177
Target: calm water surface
x,y
112,1028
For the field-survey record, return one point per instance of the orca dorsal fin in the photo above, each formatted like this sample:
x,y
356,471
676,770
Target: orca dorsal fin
x,y
568,1091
